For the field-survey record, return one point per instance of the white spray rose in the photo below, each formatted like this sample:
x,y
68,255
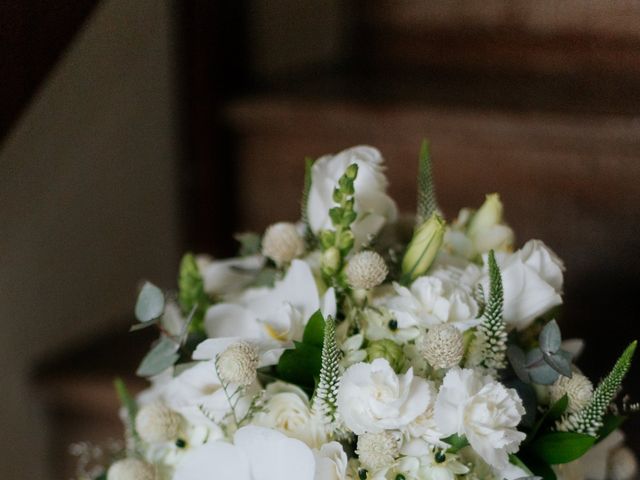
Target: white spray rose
x,y
373,206
287,410
532,279
484,411
372,398
331,462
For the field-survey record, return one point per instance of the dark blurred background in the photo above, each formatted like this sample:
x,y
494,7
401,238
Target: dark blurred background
x,y
132,131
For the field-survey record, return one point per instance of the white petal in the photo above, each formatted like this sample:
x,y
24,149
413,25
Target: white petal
x,y
228,320
273,456
218,460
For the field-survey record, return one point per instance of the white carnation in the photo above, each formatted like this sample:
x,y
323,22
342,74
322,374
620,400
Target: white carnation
x,y
484,411
373,398
431,301
373,206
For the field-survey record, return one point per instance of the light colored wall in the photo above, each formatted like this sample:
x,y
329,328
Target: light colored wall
x,y
88,204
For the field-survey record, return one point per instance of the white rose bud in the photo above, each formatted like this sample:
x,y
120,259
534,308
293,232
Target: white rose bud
x,y
366,270
238,363
578,389
131,469
282,243
423,248
622,464
377,450
157,423
442,346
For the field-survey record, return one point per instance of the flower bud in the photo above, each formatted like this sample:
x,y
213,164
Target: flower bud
x,y
488,215
157,423
366,270
423,248
282,243
389,350
131,469
331,260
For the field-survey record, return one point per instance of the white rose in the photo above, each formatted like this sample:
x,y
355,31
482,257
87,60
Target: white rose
x,y
484,411
431,301
331,462
532,280
372,398
373,206
287,410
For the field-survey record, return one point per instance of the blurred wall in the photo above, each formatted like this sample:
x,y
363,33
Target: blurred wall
x,y
88,205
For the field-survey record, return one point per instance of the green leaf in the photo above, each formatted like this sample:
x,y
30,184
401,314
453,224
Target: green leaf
x,y
150,303
301,365
191,292
562,447
553,413
126,400
250,243
457,442
610,422
162,356
314,331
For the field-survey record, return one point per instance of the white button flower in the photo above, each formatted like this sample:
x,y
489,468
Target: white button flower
x,y
484,411
373,206
372,398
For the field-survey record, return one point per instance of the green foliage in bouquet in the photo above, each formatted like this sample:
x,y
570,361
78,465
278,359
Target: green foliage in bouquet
x,y
191,295
325,400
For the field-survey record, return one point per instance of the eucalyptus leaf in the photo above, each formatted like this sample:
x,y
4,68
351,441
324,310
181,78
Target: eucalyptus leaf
x,y
162,356
559,363
518,361
150,304
550,337
543,374
141,326
557,448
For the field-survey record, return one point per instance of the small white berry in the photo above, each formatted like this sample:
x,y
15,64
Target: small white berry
x,y
282,243
377,450
157,423
131,469
622,464
366,270
442,346
578,388
238,363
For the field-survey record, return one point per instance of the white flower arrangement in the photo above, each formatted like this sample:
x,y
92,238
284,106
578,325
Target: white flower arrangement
x,y
335,349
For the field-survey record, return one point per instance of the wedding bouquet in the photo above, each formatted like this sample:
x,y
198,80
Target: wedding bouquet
x,y
357,344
